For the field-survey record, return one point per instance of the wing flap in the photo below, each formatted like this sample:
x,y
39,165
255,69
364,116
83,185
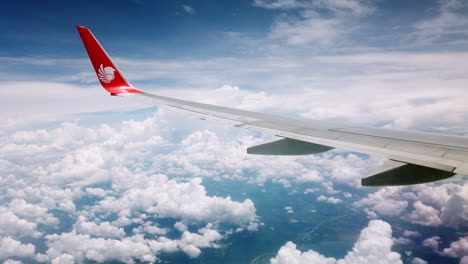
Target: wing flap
x,y
421,137
365,140
417,148
456,154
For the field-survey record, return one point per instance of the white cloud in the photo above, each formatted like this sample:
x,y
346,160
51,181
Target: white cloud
x,y
66,160
79,247
418,261
402,241
153,228
331,200
311,190
373,246
455,211
424,215
432,242
105,229
289,254
457,249
310,176
433,205
409,233
99,192
310,29
10,247
180,226
281,4
450,21
49,101
115,154
464,260
31,212
355,7
310,26
328,186
330,80
384,201
64,259
11,261
83,247
188,9
188,201
191,243
289,209
10,224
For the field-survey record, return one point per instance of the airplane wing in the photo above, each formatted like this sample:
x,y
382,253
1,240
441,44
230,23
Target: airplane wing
x,y
413,157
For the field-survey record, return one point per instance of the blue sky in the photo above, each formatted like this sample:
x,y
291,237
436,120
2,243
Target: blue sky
x,y
324,49
84,174
163,29
160,28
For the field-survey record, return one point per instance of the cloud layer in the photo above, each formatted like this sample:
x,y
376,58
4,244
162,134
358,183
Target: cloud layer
x,y
373,246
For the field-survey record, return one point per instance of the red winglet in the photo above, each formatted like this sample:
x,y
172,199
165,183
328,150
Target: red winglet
x,y
107,72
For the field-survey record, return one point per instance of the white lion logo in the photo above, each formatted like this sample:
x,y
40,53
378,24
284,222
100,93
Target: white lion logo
x,y
106,75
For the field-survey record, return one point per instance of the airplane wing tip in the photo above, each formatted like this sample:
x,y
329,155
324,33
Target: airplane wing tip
x,y
81,28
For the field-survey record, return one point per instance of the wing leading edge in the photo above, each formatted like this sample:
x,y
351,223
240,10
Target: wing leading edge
x,y
419,157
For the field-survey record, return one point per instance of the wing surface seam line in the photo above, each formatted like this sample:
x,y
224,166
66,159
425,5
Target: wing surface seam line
x,y
406,140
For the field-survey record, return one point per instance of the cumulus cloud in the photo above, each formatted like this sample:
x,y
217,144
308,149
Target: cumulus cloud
x,y
191,242
409,233
83,247
187,201
105,229
10,247
457,249
34,213
289,254
310,176
80,247
63,259
432,242
432,205
385,202
331,200
464,260
11,261
373,246
289,209
424,215
402,241
69,161
418,261
10,224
